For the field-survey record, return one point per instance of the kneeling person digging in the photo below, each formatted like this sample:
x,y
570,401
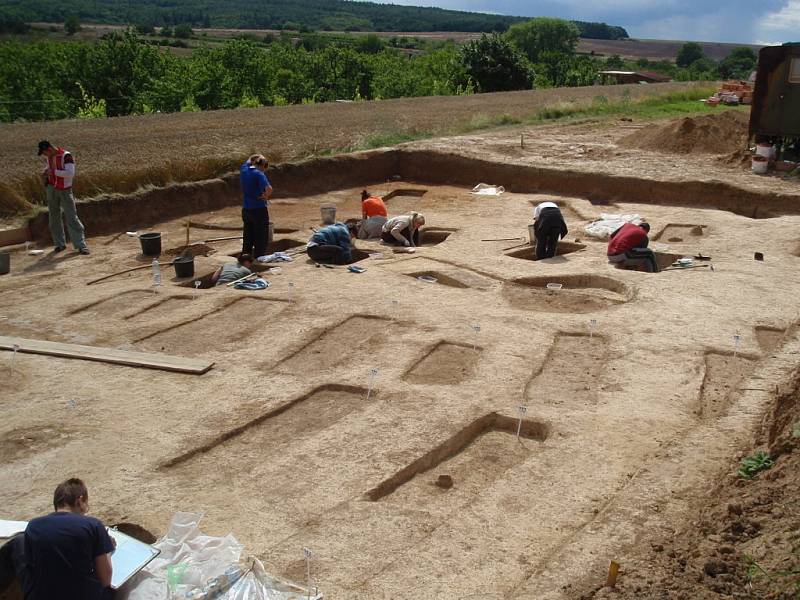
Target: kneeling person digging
x,y
333,245
628,247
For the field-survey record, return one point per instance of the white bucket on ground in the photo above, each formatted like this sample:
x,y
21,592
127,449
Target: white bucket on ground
x,y
270,233
328,214
760,164
532,234
765,150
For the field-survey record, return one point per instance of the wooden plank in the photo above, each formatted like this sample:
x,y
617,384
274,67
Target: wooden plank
x,y
128,358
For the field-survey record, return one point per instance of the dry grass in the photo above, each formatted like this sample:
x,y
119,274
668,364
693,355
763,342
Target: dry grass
x,y
127,153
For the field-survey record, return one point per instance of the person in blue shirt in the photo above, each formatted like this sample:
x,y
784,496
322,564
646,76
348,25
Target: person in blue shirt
x,y
67,554
256,191
333,245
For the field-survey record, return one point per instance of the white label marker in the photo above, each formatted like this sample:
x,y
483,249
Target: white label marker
x,y
477,329
307,553
522,410
373,375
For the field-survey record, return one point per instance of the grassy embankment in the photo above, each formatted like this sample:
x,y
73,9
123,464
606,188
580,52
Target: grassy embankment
x,y
676,104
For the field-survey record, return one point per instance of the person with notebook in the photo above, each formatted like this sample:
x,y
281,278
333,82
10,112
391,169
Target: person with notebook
x,y
68,554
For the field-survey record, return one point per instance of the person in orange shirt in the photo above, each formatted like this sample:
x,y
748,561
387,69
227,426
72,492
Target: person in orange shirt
x,y
374,213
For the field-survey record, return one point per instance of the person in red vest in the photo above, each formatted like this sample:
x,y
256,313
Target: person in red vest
x,y
59,174
628,247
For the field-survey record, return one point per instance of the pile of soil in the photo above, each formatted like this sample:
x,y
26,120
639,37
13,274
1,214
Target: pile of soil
x,y
190,250
744,541
721,133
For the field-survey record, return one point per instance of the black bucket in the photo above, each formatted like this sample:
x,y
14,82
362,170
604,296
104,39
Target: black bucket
x,y
184,266
151,243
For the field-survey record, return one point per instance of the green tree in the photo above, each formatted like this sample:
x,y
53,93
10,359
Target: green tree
x,y
615,62
183,31
72,25
738,64
145,29
544,34
494,65
689,53
369,44
166,32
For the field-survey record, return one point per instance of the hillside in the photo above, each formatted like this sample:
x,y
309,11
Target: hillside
x,y
324,15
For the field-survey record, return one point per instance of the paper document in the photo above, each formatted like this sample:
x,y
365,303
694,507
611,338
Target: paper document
x,y
129,557
9,528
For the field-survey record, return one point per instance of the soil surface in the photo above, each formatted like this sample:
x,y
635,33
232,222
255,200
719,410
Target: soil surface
x,y
329,383
742,541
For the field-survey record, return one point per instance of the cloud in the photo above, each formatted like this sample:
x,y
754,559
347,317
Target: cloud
x,y
738,21
782,25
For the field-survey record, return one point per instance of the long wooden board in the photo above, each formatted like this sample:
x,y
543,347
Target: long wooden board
x,y
128,358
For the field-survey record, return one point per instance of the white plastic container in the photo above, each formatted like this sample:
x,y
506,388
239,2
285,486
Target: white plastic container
x,y
532,235
765,150
328,214
760,164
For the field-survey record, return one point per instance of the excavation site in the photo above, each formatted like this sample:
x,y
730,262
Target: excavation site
x,y
456,420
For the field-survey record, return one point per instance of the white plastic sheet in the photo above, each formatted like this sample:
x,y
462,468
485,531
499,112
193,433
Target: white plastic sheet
x,y
608,224
193,566
484,189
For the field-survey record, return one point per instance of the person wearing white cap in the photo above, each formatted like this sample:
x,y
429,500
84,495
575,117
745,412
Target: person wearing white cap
x,y
403,230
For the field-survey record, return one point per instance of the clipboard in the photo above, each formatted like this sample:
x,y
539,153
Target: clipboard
x,y
129,557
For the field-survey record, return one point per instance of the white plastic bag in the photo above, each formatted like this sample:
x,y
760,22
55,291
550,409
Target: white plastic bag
x,y
484,189
608,224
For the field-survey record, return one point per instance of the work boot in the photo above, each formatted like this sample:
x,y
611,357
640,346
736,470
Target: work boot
x,y
58,249
84,251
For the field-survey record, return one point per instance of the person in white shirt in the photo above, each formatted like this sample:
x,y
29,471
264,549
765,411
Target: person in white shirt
x,y
403,230
59,175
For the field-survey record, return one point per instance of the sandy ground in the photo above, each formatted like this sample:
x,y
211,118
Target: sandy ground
x,y
640,412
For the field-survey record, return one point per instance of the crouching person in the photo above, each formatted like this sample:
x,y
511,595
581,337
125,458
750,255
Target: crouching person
x,y
230,272
549,227
67,554
373,211
628,247
403,230
333,245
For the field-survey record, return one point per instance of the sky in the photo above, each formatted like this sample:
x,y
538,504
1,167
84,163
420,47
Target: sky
x,y
738,21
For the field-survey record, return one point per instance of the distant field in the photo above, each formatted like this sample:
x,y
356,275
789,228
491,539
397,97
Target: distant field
x,y
655,49
631,48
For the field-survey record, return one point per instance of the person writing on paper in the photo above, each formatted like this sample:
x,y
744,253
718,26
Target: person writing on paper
x,y
628,247
373,210
68,554
403,230
549,227
230,272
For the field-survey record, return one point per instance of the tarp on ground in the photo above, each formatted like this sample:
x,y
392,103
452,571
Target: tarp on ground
x,y
194,566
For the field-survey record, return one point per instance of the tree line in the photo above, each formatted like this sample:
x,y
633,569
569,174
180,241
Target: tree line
x,y
121,74
324,15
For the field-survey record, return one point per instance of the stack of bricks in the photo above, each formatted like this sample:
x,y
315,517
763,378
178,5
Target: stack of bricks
x,y
741,89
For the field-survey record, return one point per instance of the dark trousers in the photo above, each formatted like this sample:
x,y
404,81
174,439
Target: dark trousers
x,y
329,255
646,256
547,243
255,222
390,239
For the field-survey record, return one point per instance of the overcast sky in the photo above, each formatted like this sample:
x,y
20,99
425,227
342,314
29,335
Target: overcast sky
x,y
743,21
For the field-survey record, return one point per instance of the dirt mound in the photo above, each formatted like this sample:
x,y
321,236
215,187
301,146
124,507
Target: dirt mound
x,y
721,133
743,543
